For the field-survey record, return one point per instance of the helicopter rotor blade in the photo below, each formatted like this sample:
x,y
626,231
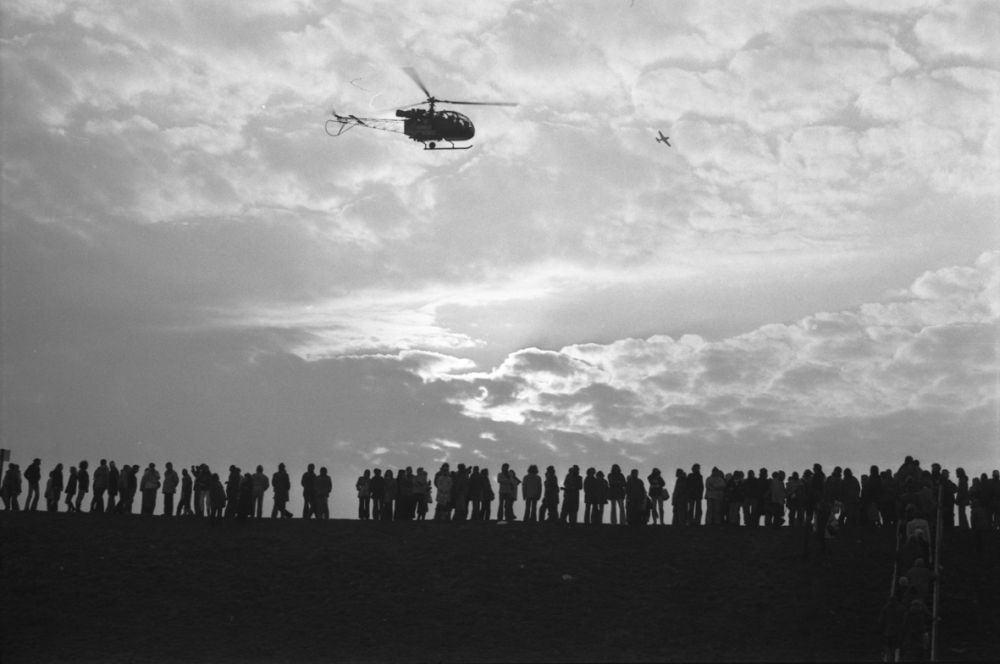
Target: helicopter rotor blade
x,y
478,103
412,73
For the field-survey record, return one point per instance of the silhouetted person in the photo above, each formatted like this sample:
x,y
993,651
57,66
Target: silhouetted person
x,y
170,482
531,491
33,476
962,499
82,484
635,499
260,485
216,496
308,491
204,490
657,489
233,491
891,622
476,494
488,494
505,490
550,497
11,488
114,479
715,491
460,492
572,486
150,485
616,494
54,489
323,488
422,492
364,487
100,486
71,489
389,495
187,488
850,492
282,486
377,489
404,495
695,487
600,497
245,504
679,501
442,482
589,494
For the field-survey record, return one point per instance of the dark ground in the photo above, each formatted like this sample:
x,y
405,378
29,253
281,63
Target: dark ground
x,y
131,589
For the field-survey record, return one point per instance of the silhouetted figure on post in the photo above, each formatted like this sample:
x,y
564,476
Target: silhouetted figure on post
x,y
33,476
282,486
100,487
187,488
170,482
572,486
550,497
308,491
82,484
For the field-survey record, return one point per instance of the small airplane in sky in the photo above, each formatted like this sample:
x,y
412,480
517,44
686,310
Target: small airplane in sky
x,y
663,139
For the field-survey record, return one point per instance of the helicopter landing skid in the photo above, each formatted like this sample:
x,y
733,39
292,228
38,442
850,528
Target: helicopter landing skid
x,y
433,146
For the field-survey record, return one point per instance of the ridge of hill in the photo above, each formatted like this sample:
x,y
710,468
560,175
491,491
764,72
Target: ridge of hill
x,y
123,589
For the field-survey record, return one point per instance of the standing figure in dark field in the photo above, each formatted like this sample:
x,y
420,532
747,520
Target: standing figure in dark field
x,y
71,489
32,475
323,488
389,499
635,497
150,485
871,493
488,494
460,493
531,491
170,482
260,486
125,480
204,490
550,497
600,497
114,485
422,491
100,487
82,484
851,496
734,495
504,490
695,486
54,489
187,488
364,487
11,488
404,494
679,501
443,482
282,485
762,498
377,490
233,491
475,494
616,494
715,491
572,485
657,487
245,503
308,491
962,499
589,481
216,496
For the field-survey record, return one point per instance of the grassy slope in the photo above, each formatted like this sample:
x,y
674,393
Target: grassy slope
x,y
131,589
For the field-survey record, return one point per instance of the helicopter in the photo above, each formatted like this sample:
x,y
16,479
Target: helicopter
x,y
428,126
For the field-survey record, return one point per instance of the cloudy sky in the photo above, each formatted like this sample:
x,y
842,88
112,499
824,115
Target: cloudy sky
x,y
192,270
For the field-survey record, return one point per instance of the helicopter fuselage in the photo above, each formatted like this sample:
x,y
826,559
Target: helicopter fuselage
x,y
428,126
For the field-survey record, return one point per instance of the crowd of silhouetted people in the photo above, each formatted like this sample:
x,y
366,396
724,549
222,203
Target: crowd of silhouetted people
x,y
754,498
